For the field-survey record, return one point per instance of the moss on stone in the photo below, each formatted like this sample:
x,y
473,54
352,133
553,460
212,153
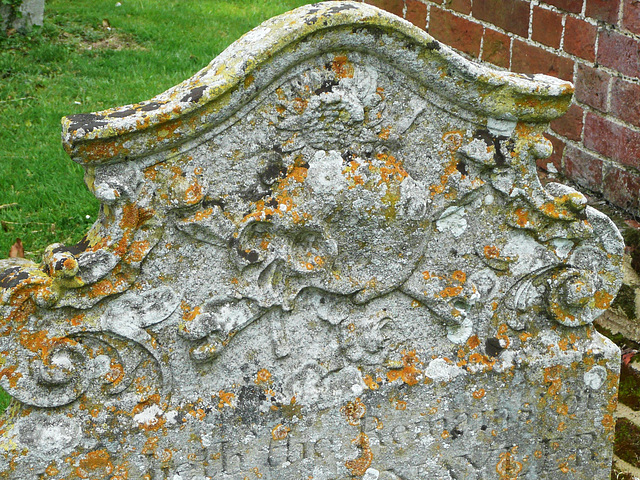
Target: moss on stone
x,y
626,301
627,445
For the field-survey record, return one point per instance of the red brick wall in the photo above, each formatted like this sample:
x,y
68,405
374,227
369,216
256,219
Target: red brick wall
x,y
593,43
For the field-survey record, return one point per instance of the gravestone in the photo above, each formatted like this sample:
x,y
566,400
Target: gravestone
x,y
22,16
326,255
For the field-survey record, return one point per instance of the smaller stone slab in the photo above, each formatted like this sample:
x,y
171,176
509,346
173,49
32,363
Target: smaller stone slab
x,y
326,255
22,17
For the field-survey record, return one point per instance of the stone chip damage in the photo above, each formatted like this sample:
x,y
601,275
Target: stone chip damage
x,y
326,255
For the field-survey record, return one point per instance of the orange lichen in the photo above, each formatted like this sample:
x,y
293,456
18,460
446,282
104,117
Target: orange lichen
x,y
409,373
378,423
360,465
101,150
203,214
226,398
502,335
11,374
563,344
189,314
168,129
38,342
603,299
523,217
478,394
354,411
115,373
129,216
137,251
52,470
77,319
481,359
491,251
384,133
560,313
552,376
552,210
524,336
451,292
473,342
342,67
193,194
608,422
392,170
103,287
95,464
453,139
263,376
459,276
508,468
300,105
280,432
370,383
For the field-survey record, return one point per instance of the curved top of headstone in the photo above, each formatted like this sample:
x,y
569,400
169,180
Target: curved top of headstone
x,y
231,80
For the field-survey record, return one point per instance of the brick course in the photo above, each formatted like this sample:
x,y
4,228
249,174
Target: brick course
x,y
631,16
619,52
510,15
417,13
394,6
592,86
462,6
580,38
496,48
593,43
547,27
605,10
570,125
531,59
573,6
585,168
625,101
456,31
612,140
622,188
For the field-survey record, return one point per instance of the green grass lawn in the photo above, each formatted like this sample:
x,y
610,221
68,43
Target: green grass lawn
x,y
88,56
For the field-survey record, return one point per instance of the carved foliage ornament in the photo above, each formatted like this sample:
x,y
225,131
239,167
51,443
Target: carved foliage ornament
x,y
334,194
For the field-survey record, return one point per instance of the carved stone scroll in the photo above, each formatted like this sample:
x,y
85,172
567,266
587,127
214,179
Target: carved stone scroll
x,y
326,255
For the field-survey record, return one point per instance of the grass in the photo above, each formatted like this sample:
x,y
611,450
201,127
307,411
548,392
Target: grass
x,y
88,56
91,55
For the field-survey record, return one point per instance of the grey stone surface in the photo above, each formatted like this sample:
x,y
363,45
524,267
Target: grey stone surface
x,y
31,12
327,255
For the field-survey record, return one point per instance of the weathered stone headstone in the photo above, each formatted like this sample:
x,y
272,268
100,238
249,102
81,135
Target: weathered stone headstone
x,y
327,255
23,16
